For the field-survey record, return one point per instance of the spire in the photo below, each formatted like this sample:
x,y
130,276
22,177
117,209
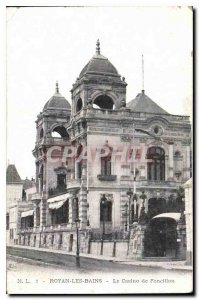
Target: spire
x,y
142,73
98,47
57,87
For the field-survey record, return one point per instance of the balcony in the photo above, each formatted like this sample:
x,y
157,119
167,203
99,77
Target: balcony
x,y
91,112
56,191
107,177
157,183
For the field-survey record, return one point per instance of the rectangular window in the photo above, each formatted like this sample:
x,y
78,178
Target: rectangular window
x,y
106,166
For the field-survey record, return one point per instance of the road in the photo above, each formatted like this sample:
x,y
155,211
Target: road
x,y
31,276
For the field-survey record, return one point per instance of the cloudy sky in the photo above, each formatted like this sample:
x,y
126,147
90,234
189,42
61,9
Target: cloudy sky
x,y
49,44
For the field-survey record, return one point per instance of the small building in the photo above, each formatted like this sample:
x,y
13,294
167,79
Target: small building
x,y
18,195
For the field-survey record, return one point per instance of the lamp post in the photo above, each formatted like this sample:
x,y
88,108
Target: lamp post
x,y
77,222
103,203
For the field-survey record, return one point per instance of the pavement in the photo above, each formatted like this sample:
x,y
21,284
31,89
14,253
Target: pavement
x,y
172,265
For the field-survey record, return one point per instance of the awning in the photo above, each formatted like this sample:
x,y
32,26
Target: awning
x,y
175,216
27,213
58,201
56,204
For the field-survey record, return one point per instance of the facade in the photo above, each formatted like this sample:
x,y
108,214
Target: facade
x,y
16,203
123,180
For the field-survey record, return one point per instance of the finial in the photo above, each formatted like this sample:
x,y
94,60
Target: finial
x,y
142,74
57,87
98,47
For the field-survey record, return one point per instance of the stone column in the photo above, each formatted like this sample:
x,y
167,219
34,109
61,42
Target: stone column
x,y
123,201
43,206
70,216
76,170
83,208
170,173
36,214
187,165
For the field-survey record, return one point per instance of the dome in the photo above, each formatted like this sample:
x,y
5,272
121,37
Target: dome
x,y
99,65
57,101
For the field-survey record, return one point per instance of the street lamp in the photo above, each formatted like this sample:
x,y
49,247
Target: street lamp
x,y
77,222
103,203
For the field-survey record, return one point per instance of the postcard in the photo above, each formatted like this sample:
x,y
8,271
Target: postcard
x,y
100,149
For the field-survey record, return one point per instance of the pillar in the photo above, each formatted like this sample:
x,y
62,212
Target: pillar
x,y
35,214
170,169
83,208
123,201
187,164
43,212
70,215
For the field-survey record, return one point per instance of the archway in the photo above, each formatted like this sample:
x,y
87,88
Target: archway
x,y
60,132
79,105
160,238
103,102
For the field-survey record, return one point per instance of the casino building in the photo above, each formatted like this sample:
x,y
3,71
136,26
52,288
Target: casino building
x,y
124,207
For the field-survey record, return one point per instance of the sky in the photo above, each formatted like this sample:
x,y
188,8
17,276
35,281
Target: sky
x,y
46,44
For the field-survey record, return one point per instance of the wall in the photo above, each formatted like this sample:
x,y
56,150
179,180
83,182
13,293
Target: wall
x,y
13,193
93,199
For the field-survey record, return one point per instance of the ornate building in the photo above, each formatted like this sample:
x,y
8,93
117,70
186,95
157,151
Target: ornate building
x,y
125,187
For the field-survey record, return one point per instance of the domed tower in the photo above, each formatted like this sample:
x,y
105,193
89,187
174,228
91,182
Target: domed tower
x,y
51,126
99,84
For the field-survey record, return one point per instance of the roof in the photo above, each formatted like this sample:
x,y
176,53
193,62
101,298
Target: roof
x,y
12,175
142,103
57,101
99,64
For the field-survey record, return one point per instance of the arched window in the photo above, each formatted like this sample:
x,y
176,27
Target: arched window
x,y
41,133
103,102
106,211
60,132
156,163
79,105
